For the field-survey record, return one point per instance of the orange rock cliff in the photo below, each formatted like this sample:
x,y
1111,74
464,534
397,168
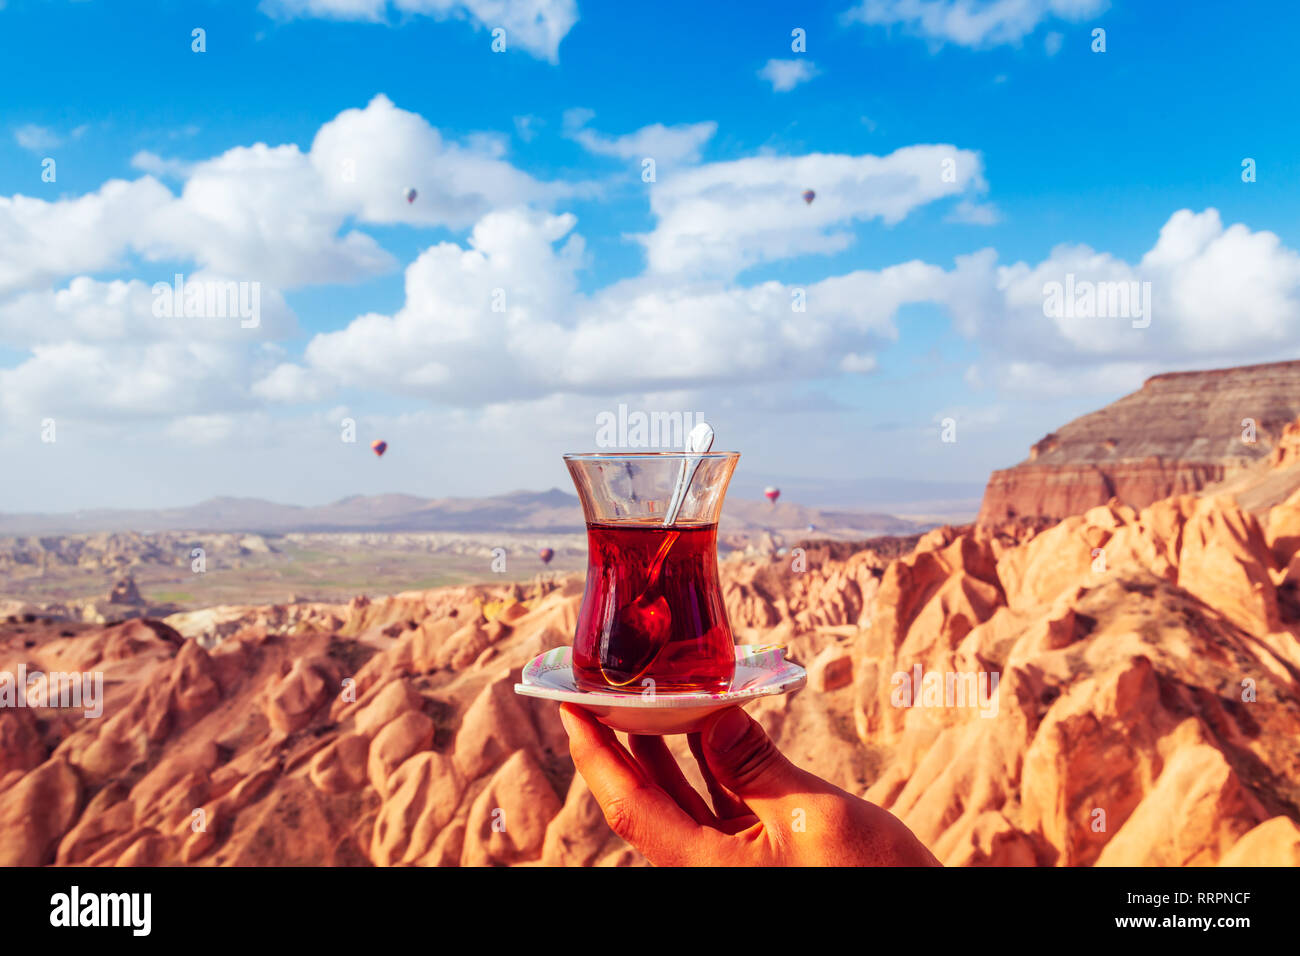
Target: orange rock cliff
x,y
1176,435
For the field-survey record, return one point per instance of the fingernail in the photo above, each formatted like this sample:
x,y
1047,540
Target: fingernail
x,y
564,719
728,730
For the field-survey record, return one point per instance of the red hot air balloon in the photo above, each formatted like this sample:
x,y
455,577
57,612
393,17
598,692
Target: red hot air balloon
x,y
379,447
809,196
546,554
771,494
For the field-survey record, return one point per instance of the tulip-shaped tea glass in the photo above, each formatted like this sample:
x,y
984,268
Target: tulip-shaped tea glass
x,y
652,615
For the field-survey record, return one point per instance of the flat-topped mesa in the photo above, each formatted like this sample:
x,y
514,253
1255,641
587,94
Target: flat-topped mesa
x,y
1177,434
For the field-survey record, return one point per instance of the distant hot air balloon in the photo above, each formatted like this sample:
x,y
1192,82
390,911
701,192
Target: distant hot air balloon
x,y
379,447
809,196
812,527
546,554
411,194
771,493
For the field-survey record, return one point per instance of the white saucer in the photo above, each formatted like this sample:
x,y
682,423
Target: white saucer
x,y
761,670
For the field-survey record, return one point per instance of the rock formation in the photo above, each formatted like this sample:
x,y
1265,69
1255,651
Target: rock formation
x,y
125,592
1147,708
1179,433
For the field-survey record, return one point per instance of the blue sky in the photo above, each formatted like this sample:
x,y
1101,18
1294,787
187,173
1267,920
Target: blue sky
x,y
517,153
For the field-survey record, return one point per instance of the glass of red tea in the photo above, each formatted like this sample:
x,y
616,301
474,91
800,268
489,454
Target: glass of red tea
x,y
652,617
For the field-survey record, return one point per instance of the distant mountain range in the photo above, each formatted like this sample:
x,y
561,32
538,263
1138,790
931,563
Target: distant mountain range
x,y
518,511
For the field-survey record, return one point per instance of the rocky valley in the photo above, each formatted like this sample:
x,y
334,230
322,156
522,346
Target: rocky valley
x,y
1116,686
1147,708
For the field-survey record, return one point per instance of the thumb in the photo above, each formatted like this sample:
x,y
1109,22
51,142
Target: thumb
x,y
743,759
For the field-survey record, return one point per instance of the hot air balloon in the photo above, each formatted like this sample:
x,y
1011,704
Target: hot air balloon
x,y
809,196
771,494
812,528
411,194
379,447
546,554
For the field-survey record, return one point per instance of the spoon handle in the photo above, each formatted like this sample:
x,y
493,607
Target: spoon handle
x,y
652,576
698,442
679,492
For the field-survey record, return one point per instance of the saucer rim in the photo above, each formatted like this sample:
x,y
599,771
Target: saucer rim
x,y
788,678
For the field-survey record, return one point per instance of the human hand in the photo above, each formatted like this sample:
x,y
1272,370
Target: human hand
x,y
766,811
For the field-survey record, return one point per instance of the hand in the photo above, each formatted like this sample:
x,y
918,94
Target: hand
x,y
766,811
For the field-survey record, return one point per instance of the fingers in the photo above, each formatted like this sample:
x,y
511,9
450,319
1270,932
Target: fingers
x,y
746,763
656,759
634,807
725,803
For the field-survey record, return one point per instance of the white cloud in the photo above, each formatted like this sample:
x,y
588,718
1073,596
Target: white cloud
x,y
98,352
89,310
292,384
266,213
858,364
1052,43
975,213
37,138
1218,295
372,10
972,23
785,75
665,144
720,218
121,382
40,139
253,213
364,159
155,165
448,345
271,214
537,26
576,117
275,216
526,127
42,241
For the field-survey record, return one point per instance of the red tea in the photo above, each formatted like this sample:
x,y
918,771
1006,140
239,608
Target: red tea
x,y
653,611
